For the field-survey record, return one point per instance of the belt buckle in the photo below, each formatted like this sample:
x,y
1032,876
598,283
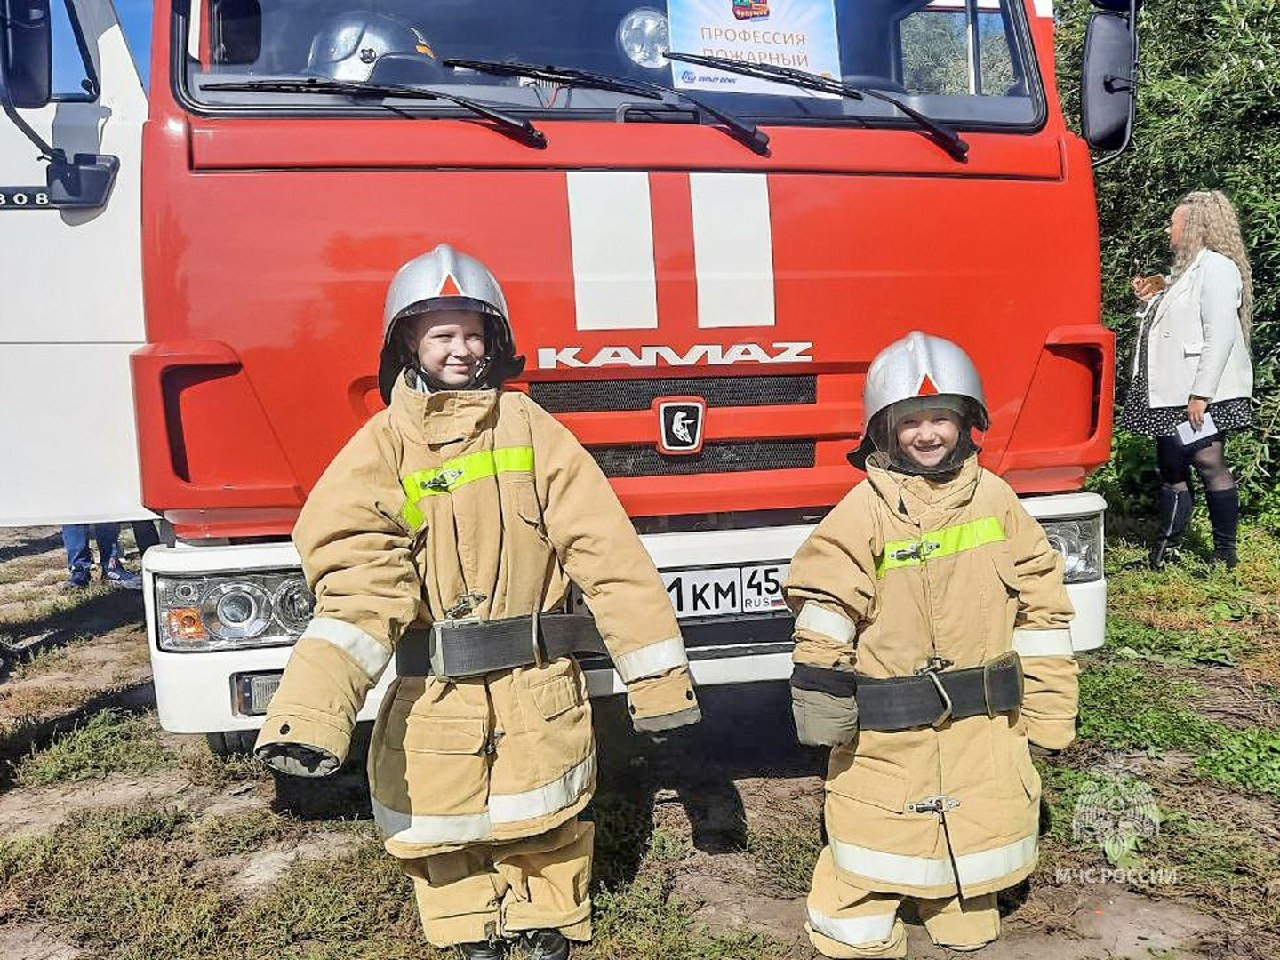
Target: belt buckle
x,y
535,638
435,647
933,666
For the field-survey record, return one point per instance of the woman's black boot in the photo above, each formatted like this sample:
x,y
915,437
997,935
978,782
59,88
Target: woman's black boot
x,y
1224,516
1175,511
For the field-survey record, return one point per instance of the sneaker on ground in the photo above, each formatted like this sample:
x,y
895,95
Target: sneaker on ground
x,y
118,576
78,580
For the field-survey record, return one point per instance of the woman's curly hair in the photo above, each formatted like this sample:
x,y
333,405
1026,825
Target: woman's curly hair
x,y
1211,223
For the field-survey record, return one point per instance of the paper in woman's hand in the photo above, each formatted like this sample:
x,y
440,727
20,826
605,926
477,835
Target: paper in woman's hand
x,y
1189,435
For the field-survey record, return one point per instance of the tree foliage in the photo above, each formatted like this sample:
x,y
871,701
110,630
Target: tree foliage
x,y
1208,118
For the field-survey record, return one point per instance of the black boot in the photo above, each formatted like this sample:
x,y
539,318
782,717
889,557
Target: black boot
x,y
546,945
1224,515
1175,511
484,950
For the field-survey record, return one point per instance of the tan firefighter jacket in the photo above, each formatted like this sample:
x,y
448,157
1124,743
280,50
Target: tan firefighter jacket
x,y
482,498
988,582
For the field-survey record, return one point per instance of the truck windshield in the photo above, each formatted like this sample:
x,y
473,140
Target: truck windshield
x,y
965,62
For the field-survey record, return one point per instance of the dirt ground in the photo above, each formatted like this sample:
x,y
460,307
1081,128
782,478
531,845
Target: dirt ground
x,y
735,805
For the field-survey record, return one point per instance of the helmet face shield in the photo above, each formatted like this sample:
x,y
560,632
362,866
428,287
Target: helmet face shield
x,y
881,446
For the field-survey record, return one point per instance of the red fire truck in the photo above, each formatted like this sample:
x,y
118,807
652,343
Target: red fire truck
x,y
720,241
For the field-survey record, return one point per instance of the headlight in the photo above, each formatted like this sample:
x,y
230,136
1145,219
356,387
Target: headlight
x,y
231,613
1080,543
644,38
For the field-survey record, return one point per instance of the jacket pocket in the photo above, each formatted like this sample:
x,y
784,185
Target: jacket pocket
x,y
1028,776
1192,349
524,497
555,695
444,735
873,781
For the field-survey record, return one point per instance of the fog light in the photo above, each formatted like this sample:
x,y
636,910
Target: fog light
x,y
644,38
253,691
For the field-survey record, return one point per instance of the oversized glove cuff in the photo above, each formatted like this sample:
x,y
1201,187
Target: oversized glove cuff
x,y
302,744
825,714
663,703
1052,733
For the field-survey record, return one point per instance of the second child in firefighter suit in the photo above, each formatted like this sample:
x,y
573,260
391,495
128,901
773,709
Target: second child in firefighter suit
x,y
461,503
932,647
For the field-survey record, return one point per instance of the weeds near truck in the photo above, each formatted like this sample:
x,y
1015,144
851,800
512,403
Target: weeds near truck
x,y
784,851
110,742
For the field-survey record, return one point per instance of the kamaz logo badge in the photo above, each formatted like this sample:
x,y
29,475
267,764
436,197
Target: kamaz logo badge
x,y
680,422
710,354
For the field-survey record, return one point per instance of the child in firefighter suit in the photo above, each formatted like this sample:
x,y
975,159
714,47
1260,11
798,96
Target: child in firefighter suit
x,y
459,516
931,647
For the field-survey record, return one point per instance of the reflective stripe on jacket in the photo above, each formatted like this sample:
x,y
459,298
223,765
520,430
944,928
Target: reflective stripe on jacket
x,y
469,504
902,570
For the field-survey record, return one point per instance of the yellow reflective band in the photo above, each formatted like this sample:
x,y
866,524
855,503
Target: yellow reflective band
x,y
940,543
458,472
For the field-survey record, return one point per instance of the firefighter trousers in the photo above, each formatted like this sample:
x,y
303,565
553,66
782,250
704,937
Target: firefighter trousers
x,y
492,890
848,922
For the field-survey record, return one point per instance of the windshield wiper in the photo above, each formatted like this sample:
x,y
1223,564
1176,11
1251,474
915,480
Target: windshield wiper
x,y
514,127
939,133
745,132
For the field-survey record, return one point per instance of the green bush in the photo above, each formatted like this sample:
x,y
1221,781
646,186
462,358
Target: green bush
x,y
1208,118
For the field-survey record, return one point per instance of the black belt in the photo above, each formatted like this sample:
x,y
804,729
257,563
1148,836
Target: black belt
x,y
454,649
929,698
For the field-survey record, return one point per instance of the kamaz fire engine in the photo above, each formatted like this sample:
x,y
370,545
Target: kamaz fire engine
x,y
707,216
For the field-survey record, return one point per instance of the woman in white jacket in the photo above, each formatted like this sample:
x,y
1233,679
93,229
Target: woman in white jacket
x,y
1192,362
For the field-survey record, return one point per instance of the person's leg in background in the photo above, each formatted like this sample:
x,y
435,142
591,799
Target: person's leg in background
x,y
1221,497
1175,499
113,571
75,537
145,535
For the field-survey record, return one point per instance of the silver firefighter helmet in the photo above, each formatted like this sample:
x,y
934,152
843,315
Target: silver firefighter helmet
x,y
447,279
355,45
915,373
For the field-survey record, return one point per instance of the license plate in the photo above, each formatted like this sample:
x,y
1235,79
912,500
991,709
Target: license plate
x,y
721,591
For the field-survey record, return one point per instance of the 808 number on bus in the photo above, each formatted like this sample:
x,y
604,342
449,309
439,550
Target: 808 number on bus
x,y
24,198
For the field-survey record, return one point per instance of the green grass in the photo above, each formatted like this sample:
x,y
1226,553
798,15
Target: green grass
x,y
245,832
1247,758
1215,646
1123,705
785,851
109,742
131,885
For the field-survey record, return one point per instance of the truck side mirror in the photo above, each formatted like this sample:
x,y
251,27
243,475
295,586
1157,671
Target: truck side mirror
x,y
26,53
83,183
1109,76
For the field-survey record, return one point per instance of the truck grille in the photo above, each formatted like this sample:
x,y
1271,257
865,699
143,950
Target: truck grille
x,y
565,396
731,457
